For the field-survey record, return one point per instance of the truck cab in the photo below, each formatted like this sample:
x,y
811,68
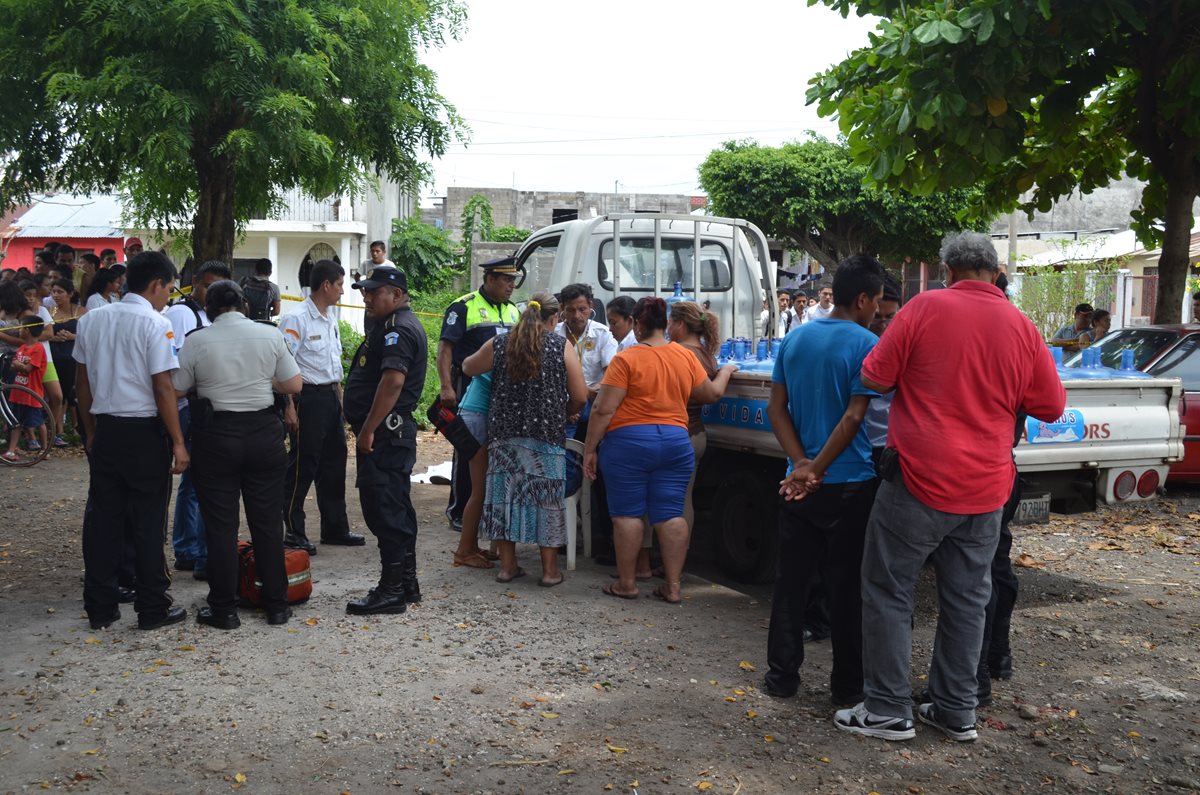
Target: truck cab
x,y
645,254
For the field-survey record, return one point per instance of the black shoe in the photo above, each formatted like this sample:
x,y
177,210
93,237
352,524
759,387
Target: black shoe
x,y
412,589
184,565
279,617
455,523
126,595
173,616
200,574
1000,666
346,539
775,692
293,541
387,597
103,623
218,620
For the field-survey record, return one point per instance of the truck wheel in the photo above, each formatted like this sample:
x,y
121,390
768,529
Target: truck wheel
x,y
747,514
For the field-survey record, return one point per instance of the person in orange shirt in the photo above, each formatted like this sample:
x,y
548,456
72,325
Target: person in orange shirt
x,y
638,435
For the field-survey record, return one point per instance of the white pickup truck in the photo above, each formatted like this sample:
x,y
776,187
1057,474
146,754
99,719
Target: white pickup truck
x,y
1114,441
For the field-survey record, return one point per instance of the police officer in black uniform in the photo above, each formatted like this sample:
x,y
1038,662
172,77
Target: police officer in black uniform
x,y
383,388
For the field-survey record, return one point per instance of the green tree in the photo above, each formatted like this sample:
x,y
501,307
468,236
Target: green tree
x,y
1046,96
811,195
205,113
426,253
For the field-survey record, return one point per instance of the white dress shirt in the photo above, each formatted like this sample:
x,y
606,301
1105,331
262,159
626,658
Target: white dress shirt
x,y
314,340
123,345
595,348
629,341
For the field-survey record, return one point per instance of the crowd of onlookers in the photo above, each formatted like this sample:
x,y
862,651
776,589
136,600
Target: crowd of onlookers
x,y
39,314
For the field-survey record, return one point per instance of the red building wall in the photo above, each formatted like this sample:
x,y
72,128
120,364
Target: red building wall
x,y
20,250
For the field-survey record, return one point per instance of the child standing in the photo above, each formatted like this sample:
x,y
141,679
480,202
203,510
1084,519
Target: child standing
x,y
29,366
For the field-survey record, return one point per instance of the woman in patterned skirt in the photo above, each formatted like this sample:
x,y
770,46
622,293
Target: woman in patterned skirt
x,y
537,380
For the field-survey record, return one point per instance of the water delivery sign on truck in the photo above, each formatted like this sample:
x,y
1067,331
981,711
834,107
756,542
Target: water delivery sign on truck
x,y
1113,431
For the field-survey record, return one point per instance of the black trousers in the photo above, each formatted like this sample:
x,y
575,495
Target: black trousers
x,y
384,486
128,492
460,470
998,618
820,535
241,455
318,454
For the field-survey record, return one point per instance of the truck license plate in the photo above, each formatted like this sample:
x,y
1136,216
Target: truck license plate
x,y
1033,509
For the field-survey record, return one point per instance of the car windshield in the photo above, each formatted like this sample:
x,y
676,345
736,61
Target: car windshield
x,y
1145,343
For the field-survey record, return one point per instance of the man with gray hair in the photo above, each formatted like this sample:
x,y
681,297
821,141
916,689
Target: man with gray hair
x,y
963,362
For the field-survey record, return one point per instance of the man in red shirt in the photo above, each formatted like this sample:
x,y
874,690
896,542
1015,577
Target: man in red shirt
x,y
963,362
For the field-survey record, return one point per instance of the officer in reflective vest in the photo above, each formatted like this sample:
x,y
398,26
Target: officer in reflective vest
x,y
469,322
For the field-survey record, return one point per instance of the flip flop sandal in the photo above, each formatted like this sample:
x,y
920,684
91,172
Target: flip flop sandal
x,y
661,593
616,576
548,584
520,573
472,561
487,553
608,590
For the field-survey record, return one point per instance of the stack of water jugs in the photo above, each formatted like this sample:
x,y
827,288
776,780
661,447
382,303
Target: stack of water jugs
x,y
1090,365
750,357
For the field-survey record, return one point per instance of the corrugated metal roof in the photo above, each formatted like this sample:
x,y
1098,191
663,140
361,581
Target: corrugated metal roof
x,y
68,215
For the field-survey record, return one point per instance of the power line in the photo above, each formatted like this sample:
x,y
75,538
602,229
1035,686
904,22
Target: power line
x,y
634,137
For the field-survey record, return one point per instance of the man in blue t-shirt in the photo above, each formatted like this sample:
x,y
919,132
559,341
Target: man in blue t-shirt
x,y
816,410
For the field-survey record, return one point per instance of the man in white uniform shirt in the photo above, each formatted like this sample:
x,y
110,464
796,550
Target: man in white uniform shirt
x,y
596,347
593,342
187,535
125,354
314,417
788,317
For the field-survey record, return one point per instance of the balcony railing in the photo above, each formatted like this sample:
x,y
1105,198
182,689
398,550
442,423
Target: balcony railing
x,y
299,206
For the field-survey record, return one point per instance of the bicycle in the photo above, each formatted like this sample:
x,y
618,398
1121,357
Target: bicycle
x,y
8,417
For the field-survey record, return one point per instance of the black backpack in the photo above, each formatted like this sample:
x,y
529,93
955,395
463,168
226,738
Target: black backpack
x,y
258,298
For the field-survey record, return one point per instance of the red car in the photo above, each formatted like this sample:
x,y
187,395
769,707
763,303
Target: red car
x,y
1168,351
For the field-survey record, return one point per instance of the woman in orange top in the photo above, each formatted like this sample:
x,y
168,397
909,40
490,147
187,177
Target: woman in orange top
x,y
641,416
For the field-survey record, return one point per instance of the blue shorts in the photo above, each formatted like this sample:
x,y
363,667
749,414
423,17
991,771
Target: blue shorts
x,y
476,422
646,470
29,416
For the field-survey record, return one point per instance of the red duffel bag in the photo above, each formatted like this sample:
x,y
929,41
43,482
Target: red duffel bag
x,y
295,563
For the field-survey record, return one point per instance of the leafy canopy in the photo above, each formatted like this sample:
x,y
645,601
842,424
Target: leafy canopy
x,y
217,107
811,195
1037,96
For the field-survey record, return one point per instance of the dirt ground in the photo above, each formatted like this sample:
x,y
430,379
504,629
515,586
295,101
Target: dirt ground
x,y
489,688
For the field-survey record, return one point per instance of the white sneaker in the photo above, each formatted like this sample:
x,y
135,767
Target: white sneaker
x,y
857,720
963,734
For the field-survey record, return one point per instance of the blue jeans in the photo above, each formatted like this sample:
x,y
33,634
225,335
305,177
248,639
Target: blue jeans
x,y
187,537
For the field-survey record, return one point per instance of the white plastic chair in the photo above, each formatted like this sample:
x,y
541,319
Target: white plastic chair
x,y
578,503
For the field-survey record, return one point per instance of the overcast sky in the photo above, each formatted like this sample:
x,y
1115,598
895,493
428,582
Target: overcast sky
x,y
563,96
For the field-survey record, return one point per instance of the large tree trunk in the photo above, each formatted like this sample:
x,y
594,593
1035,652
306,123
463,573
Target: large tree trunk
x,y
1173,264
214,227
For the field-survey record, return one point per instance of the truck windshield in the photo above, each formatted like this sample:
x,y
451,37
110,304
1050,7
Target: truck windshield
x,y
1144,342
638,267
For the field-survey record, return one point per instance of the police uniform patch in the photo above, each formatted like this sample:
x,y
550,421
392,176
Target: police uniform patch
x,y
588,345
482,313
391,338
451,318
362,360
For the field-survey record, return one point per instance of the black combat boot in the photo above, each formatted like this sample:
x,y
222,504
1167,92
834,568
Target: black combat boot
x,y
387,597
412,589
